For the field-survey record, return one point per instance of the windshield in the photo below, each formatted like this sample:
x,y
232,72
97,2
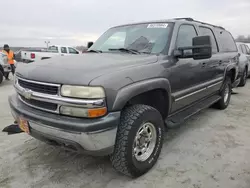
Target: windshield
x,y
143,38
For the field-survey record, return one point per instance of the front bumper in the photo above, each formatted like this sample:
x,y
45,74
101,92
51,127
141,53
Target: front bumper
x,y
92,136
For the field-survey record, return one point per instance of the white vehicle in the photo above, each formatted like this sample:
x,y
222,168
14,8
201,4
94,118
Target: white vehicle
x,y
55,50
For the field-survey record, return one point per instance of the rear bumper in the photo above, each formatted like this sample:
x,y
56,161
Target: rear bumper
x,y
92,136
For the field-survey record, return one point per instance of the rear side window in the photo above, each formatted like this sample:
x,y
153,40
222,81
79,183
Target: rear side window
x,y
243,49
248,50
53,49
207,31
185,36
225,41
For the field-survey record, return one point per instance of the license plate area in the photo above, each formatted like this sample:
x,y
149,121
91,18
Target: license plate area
x,y
24,125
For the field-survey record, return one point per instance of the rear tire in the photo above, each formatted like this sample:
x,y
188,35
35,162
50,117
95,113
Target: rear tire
x,y
243,79
225,94
135,153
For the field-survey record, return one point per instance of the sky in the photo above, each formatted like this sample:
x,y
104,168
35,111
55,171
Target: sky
x,y
75,22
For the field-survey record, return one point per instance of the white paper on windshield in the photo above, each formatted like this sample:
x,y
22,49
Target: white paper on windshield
x,y
158,25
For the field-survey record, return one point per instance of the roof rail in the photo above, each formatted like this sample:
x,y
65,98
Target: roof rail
x,y
192,20
188,19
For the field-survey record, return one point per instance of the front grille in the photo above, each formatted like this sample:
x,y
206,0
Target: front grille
x,y
40,104
37,87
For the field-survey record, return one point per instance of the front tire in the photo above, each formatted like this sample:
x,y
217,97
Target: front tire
x,y
243,79
139,140
225,94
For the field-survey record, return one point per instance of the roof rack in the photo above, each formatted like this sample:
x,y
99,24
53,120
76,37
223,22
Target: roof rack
x,y
192,20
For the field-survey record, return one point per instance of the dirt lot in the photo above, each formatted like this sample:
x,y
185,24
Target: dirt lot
x,y
211,150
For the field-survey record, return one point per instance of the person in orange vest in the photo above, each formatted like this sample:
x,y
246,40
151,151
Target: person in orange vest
x,y
10,55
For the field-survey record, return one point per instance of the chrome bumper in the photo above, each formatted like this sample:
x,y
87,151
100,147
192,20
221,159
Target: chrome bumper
x,y
91,136
96,142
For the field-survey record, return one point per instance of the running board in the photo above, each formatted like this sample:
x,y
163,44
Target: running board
x,y
177,118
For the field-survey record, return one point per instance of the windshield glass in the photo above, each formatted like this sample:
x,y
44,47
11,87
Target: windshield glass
x,y
144,38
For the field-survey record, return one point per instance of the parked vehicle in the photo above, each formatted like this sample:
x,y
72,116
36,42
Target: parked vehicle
x,y
244,70
4,66
55,50
135,81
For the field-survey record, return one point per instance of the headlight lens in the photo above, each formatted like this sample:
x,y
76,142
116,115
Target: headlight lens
x,y
82,92
83,112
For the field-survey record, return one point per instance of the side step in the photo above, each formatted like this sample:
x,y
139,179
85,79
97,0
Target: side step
x,y
177,118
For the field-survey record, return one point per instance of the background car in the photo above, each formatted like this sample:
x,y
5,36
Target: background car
x,y
244,70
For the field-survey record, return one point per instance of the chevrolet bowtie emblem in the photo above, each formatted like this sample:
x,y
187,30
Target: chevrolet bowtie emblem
x,y
27,94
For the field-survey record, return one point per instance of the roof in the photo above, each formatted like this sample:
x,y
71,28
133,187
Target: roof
x,y
173,20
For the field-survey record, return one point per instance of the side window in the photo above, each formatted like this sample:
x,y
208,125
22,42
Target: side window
x,y
243,48
226,42
185,36
207,31
64,50
248,50
72,51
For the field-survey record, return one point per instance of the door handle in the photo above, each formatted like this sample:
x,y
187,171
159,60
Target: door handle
x,y
220,62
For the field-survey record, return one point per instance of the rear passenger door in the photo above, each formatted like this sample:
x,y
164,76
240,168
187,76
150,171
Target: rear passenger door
x,y
212,65
228,52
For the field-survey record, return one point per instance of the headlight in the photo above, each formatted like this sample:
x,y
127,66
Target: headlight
x,y
82,92
83,112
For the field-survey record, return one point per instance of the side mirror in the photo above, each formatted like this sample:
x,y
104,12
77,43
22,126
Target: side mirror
x,y
201,49
89,44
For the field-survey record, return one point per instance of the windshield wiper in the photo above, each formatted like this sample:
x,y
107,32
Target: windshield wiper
x,y
125,50
96,51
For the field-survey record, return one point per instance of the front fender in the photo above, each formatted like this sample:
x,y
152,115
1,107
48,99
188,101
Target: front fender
x,y
128,92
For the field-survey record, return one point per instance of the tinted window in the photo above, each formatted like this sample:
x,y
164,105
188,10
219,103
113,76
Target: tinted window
x,y
72,51
225,41
207,31
64,50
185,35
243,48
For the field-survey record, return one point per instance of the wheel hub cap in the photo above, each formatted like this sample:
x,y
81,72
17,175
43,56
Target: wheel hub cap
x,y
144,142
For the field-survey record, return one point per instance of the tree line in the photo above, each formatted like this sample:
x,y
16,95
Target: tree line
x,y
242,38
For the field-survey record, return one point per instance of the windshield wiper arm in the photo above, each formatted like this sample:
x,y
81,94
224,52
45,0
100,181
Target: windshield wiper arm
x,y
96,51
125,50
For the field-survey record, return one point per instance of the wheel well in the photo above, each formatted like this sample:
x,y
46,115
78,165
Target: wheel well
x,y
231,73
157,98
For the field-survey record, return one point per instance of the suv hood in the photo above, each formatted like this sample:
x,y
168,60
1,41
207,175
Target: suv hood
x,y
81,69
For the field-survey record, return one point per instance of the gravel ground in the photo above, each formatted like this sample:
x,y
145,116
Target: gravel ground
x,y
210,150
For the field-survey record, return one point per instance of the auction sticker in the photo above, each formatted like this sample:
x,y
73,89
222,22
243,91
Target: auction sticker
x,y
158,25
